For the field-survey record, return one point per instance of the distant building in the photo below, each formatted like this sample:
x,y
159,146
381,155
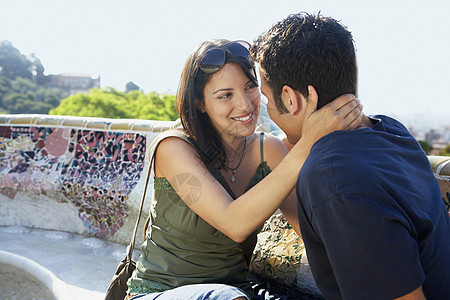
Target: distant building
x,y
432,136
73,83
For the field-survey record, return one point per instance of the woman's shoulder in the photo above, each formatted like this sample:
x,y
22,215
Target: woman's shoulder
x,y
178,133
171,149
172,143
172,138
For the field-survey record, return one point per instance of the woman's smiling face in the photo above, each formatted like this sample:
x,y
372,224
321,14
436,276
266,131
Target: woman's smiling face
x,y
232,101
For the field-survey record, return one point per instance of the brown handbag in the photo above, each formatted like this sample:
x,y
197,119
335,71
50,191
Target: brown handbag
x,y
117,288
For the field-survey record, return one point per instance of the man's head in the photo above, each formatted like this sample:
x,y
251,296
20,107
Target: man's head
x,y
304,50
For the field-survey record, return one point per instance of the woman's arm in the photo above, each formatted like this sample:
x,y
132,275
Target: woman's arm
x,y
177,160
274,151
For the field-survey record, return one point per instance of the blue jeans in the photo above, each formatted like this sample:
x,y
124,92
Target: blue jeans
x,y
208,291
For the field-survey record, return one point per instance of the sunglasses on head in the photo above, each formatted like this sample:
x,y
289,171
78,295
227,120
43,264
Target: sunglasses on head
x,y
214,59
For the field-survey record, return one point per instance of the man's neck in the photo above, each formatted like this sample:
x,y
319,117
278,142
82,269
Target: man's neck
x,y
365,122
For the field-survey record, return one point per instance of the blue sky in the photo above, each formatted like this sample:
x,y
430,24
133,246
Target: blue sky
x,y
403,47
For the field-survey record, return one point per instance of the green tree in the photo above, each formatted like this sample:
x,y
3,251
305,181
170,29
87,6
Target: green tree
x,y
427,147
22,83
111,103
5,88
49,96
12,63
23,96
445,151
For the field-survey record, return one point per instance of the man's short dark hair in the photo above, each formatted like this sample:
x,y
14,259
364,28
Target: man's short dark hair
x,y
305,49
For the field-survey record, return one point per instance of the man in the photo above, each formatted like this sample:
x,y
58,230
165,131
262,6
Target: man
x,y
369,207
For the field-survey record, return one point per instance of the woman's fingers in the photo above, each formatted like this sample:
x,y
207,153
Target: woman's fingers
x,y
344,103
350,114
343,113
355,117
311,104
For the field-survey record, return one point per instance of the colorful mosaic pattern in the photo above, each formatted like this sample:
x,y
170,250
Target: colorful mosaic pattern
x,y
94,170
445,192
280,255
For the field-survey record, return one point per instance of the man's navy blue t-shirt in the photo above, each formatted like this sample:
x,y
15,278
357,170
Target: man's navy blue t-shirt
x,y
372,217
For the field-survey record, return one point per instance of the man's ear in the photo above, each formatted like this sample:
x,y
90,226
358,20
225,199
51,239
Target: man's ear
x,y
292,99
200,105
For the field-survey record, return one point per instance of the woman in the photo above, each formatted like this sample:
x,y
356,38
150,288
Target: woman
x,y
203,223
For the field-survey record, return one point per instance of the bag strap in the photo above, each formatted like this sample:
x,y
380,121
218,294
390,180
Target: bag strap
x,y
130,247
153,146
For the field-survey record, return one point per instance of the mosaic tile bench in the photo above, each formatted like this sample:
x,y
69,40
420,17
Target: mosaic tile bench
x,y
86,175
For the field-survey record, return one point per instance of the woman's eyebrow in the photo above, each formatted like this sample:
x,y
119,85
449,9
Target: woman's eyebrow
x,y
219,90
229,89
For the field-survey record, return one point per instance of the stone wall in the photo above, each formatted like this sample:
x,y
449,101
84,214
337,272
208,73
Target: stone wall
x,y
80,175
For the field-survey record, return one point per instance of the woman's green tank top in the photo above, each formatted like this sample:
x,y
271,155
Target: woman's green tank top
x,y
181,248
